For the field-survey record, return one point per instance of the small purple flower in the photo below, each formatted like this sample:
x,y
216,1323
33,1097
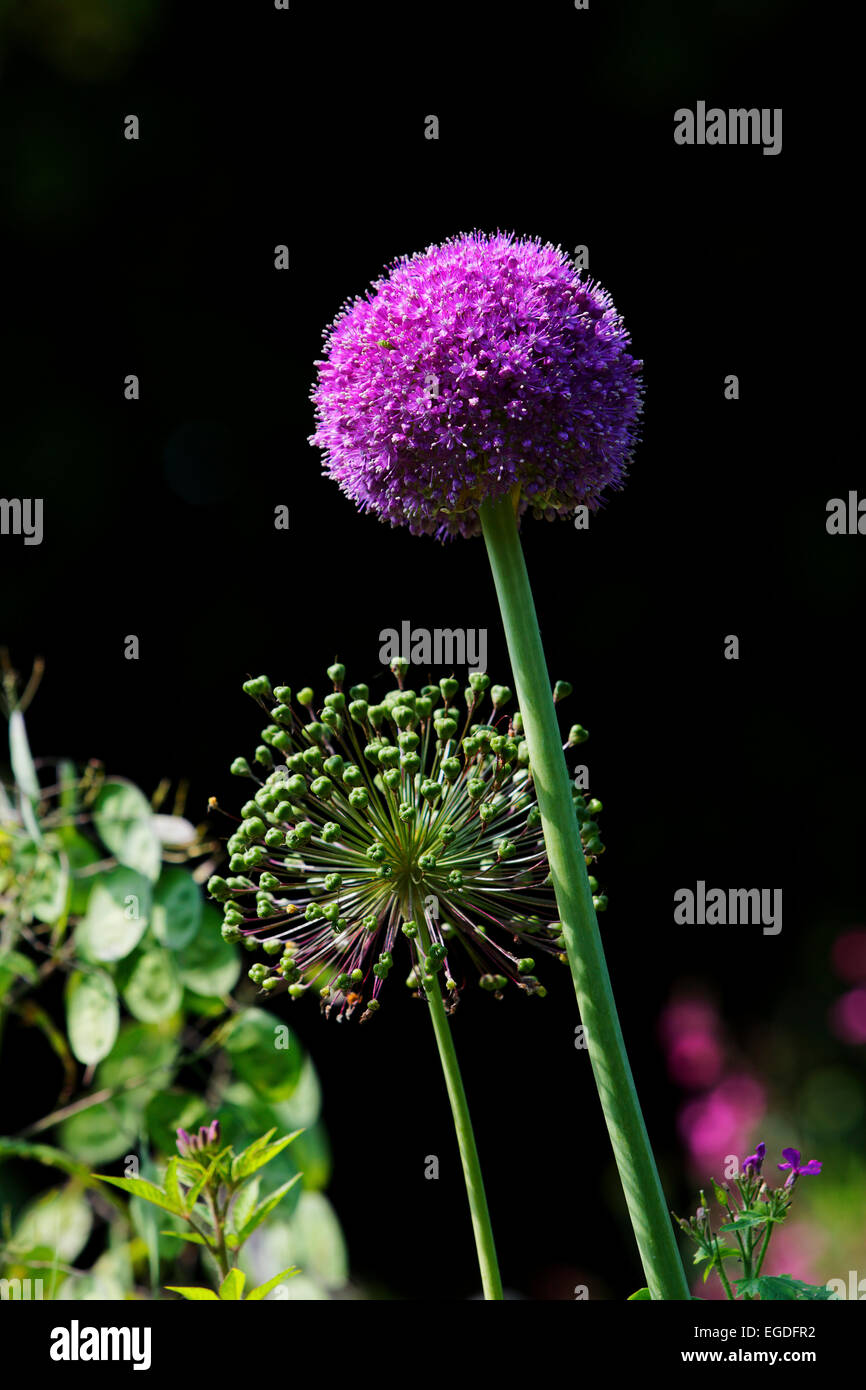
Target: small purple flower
x,y
195,1145
755,1160
797,1169
471,369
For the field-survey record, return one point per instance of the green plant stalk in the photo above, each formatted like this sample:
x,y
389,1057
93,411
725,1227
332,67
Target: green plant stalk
x,y
484,1244
634,1157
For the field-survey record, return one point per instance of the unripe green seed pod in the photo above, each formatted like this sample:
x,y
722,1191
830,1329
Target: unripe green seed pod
x,y
253,827
330,832
273,947
410,763
376,715
360,692
281,714
352,776
449,687
562,690
500,695
451,769
269,882
358,798
337,673
599,902
431,790
577,734
241,768
259,687
282,741
358,710
230,933
313,758
218,888
476,788
392,777
305,697
323,788
264,756
595,806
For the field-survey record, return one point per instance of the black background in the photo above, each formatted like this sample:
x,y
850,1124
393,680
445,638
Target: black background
x,y
156,257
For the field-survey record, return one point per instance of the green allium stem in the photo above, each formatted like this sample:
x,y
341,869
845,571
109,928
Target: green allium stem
x,y
484,1243
634,1157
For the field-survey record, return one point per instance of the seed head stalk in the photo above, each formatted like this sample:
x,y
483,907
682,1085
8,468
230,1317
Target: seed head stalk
x,y
634,1157
485,1246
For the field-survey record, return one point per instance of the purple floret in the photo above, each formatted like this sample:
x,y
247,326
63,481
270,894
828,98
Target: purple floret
x,y
471,368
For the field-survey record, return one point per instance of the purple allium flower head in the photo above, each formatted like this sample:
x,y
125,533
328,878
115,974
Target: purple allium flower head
x,y
472,368
797,1169
755,1160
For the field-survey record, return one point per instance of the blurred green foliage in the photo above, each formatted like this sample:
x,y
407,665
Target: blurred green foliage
x,y
100,895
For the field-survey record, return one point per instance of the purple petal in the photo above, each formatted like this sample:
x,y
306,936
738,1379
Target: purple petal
x,y
813,1166
793,1157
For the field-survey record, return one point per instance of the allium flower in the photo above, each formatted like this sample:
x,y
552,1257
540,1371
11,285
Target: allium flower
x,y
197,1145
408,817
485,364
755,1160
797,1169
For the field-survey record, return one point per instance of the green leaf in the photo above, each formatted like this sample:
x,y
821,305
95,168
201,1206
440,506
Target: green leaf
x,y
264,1209
252,1159
123,820
193,1294
209,966
245,1203
153,991
746,1219
60,1218
172,1187
641,1296
778,1288
19,967
140,1187
232,1287
192,1236
46,1155
92,1015
101,1133
255,1042
24,773
177,908
44,881
117,914
169,1111
255,1295
78,853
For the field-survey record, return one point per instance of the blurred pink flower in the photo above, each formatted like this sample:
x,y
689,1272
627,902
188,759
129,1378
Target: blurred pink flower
x,y
689,1029
713,1126
849,955
848,1016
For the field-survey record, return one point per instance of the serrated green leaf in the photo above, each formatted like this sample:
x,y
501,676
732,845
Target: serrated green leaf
x,y
245,1203
172,1187
232,1287
265,1208
250,1163
123,820
779,1288
140,1187
194,1295
262,1290
192,1236
746,1219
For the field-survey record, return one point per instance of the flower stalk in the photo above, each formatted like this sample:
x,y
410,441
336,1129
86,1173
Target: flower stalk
x,y
484,1244
634,1157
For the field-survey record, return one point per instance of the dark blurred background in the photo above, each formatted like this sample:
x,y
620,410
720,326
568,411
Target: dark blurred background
x,y
156,257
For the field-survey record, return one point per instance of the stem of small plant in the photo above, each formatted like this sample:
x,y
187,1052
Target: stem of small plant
x,y
484,1243
634,1157
218,1248
764,1248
